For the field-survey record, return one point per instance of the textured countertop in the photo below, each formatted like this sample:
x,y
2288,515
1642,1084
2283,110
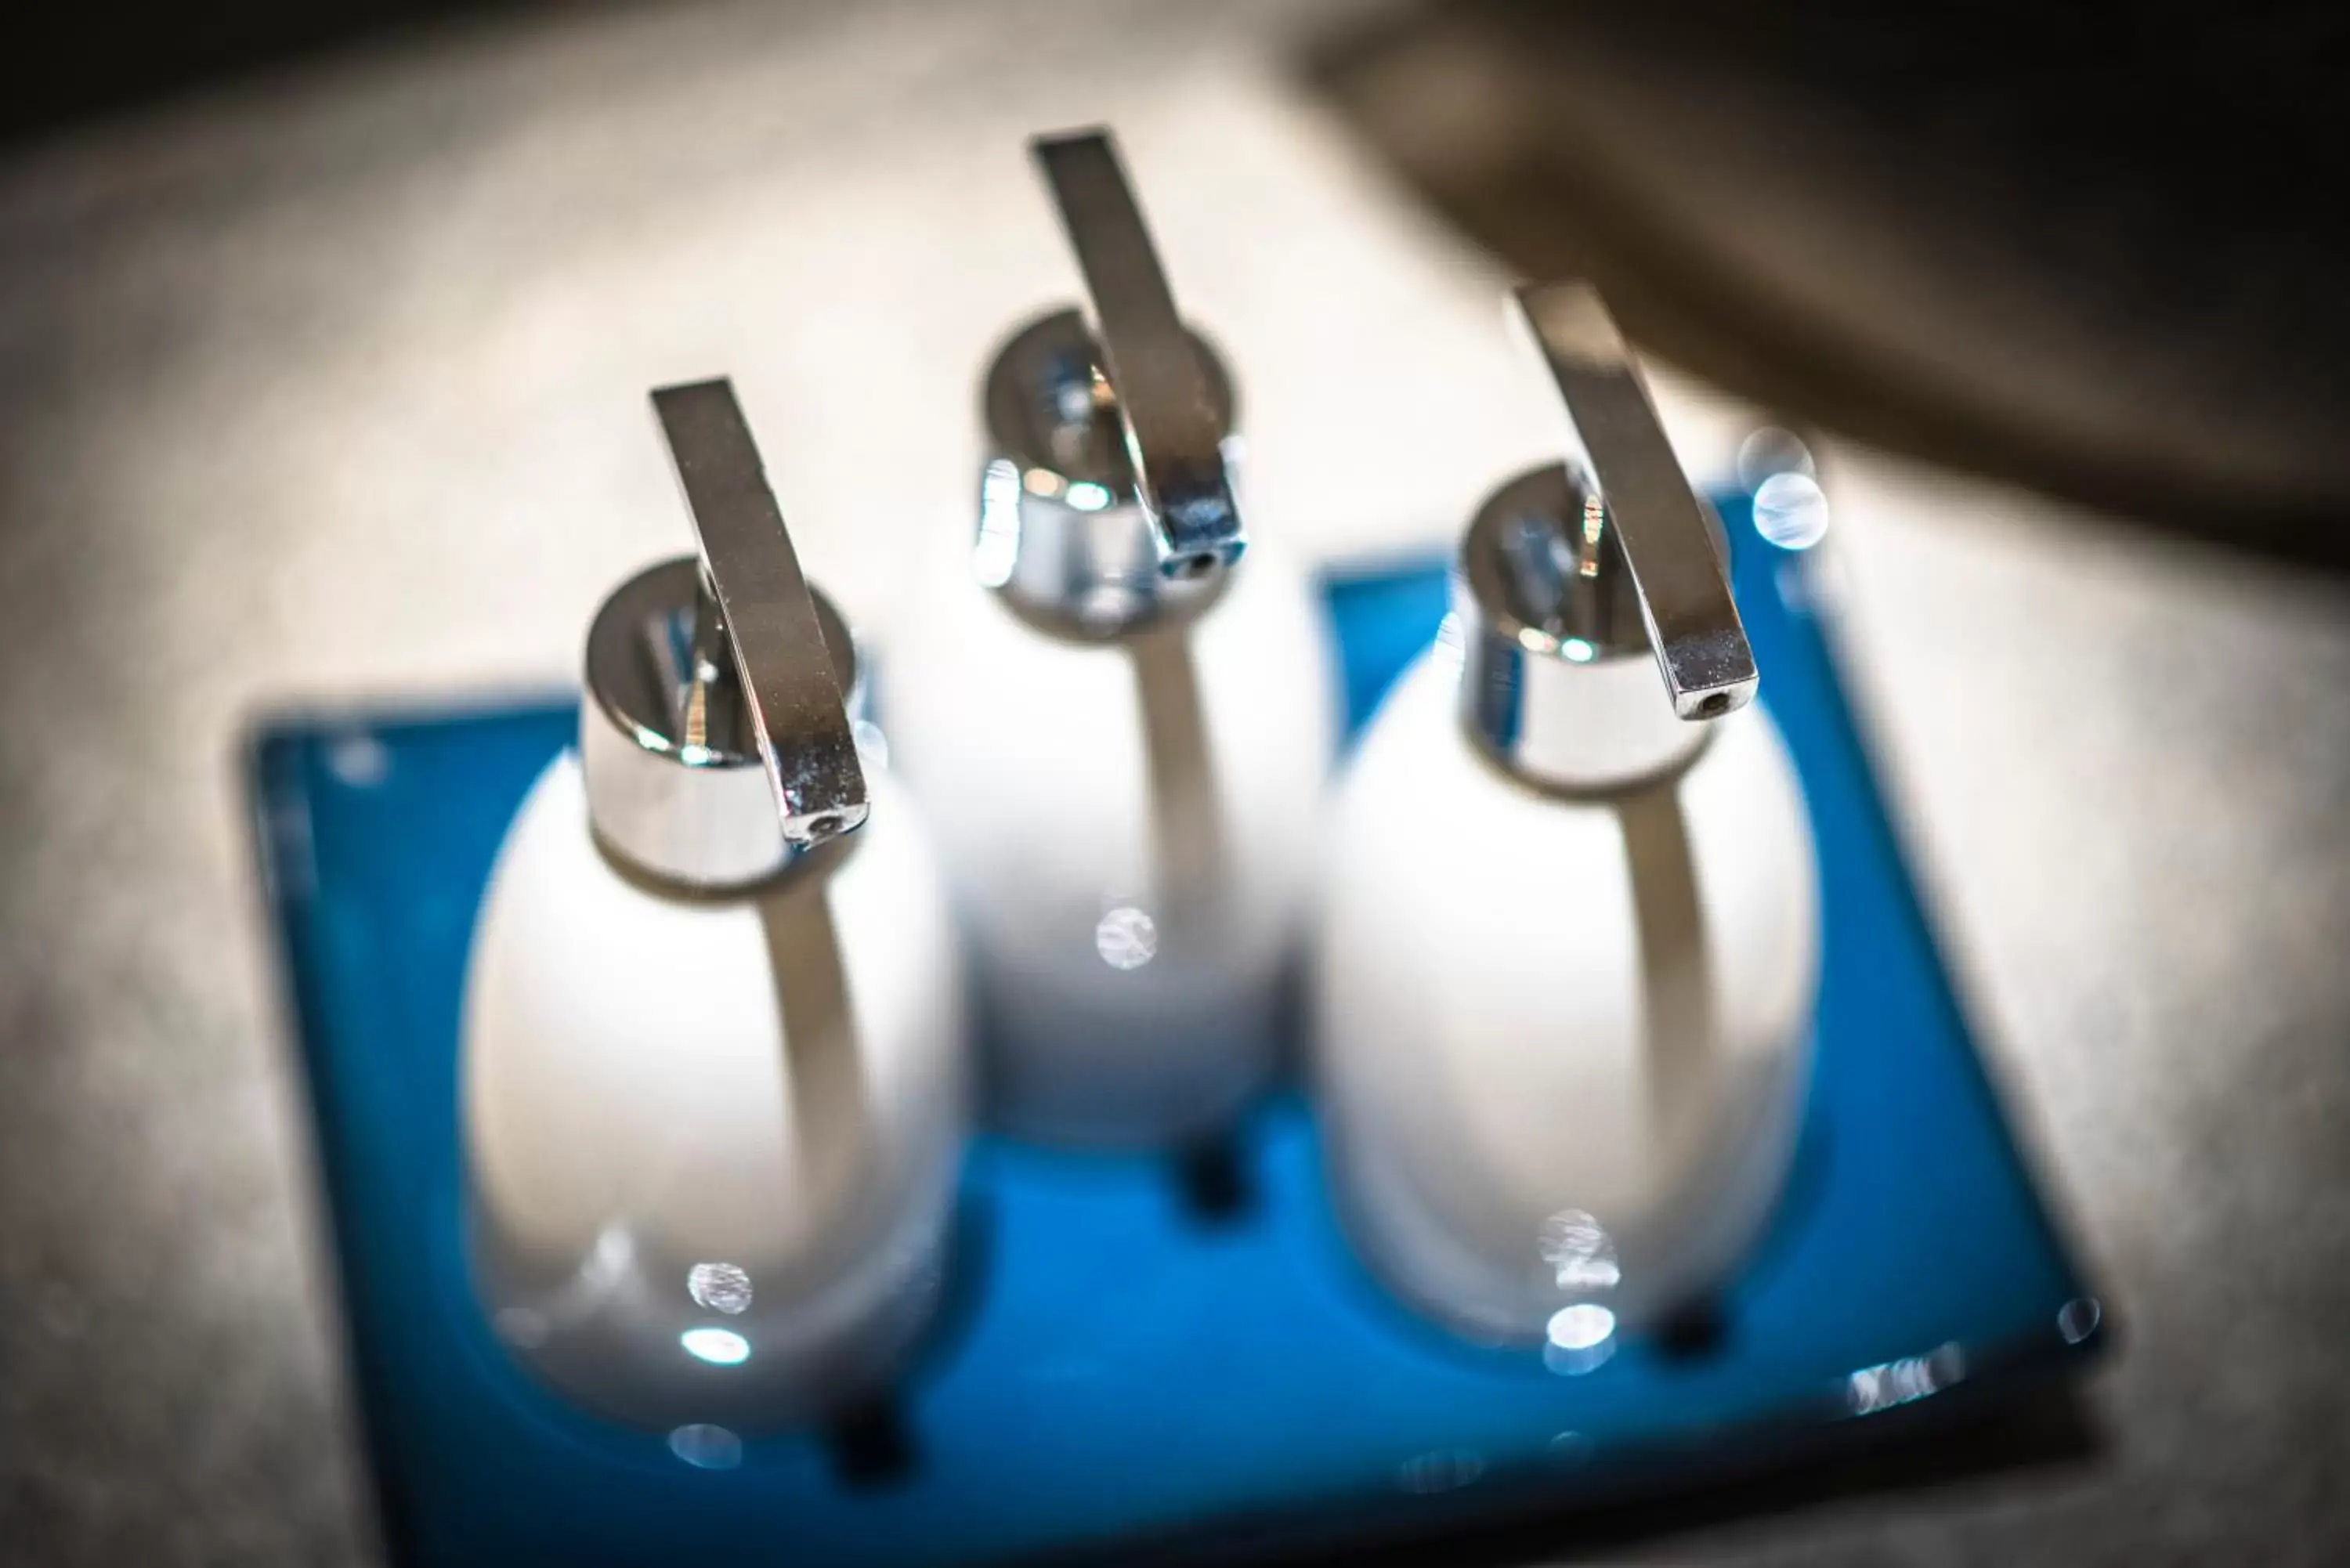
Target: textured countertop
x,y
332,388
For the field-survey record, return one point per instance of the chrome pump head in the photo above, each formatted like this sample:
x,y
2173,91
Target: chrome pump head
x,y
1584,582
717,735
1106,505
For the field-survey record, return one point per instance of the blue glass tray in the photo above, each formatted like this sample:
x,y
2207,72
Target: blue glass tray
x,y
1135,1359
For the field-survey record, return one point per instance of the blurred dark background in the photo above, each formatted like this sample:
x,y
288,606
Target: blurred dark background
x,y
2097,249
67,66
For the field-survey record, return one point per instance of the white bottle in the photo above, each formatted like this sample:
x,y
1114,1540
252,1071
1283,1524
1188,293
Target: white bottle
x,y
1121,730
712,1078
1569,942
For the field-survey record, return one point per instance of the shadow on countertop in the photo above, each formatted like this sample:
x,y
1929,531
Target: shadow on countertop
x,y
64,65
2095,250
2100,254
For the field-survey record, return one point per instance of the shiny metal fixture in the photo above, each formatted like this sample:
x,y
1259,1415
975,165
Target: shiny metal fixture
x,y
1659,526
1171,414
1580,583
717,736
1063,541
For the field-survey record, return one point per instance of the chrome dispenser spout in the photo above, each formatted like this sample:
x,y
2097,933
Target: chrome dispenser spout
x,y
1660,527
799,723
1172,416
716,736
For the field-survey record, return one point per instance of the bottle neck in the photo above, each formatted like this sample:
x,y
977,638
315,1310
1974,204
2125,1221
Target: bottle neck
x,y
1063,535
675,786
1559,683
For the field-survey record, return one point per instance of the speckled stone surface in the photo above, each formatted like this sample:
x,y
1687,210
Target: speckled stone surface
x,y
333,388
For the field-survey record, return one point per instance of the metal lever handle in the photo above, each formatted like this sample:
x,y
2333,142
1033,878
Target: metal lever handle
x,y
1173,434
799,721
1692,622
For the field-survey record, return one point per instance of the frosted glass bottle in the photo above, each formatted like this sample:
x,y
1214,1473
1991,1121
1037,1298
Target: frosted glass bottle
x,y
714,1063
1119,726
1569,942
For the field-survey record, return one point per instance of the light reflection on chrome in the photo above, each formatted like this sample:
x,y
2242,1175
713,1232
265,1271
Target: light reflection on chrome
x,y
720,1287
705,1447
1891,1383
718,1346
1127,938
998,548
1581,1338
1106,606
